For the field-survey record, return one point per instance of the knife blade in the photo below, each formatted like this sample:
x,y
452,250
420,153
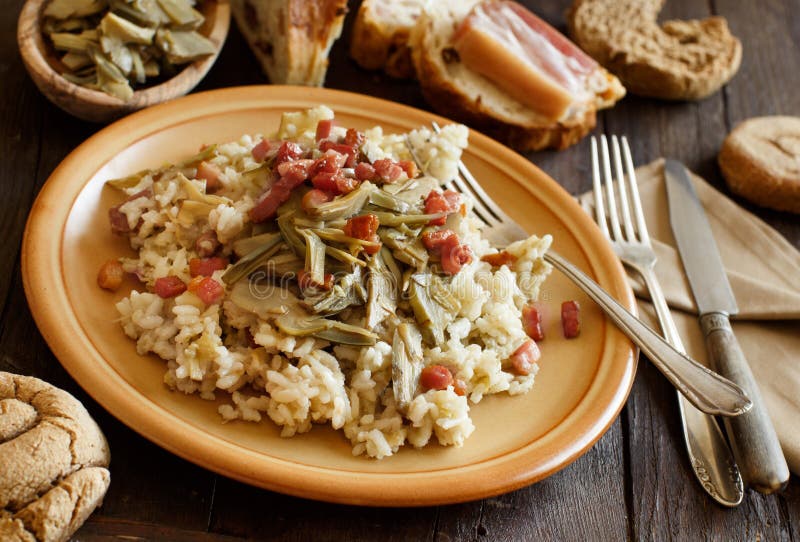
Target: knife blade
x,y
753,440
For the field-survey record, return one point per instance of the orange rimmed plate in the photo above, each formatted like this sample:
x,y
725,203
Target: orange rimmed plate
x,y
580,389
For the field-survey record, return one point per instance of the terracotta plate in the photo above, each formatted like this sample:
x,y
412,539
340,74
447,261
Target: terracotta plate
x,y
579,391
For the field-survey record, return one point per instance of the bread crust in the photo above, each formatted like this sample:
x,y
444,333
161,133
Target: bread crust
x,y
376,44
679,60
291,38
760,160
449,101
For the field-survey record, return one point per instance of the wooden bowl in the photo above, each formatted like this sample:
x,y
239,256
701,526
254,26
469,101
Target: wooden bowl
x,y
42,64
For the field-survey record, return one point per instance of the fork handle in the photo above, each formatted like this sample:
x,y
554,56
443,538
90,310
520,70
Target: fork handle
x,y
712,461
708,391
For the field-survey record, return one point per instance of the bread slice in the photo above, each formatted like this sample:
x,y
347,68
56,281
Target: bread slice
x,y
760,160
460,93
291,38
380,35
679,60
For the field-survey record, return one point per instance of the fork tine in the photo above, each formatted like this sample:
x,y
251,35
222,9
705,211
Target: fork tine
x,y
477,205
609,182
599,206
634,188
623,192
475,189
457,184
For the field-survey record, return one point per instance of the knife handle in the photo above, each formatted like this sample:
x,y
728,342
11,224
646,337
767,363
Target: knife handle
x,y
753,439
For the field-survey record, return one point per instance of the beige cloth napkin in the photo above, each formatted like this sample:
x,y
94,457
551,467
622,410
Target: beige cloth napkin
x,y
764,271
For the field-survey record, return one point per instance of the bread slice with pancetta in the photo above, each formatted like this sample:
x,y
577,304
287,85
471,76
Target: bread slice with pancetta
x,y
291,38
496,66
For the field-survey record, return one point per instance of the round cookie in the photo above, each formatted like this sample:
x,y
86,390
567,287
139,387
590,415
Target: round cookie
x,y
760,160
54,461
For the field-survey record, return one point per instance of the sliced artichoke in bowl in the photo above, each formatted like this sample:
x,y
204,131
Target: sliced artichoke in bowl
x,y
183,46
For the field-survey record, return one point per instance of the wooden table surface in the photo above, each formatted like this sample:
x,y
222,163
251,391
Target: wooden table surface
x,y
634,483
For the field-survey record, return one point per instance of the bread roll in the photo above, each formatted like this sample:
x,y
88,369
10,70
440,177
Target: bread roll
x,y
760,160
54,460
679,60
291,38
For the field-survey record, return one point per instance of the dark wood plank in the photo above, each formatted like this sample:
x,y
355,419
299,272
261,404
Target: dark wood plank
x,y
768,80
541,511
245,511
148,484
668,501
20,126
100,529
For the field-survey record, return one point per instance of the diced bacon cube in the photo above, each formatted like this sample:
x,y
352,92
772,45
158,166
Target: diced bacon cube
x,y
532,322
365,171
441,202
434,239
410,167
570,319
260,150
524,358
348,150
387,170
455,257
294,173
353,137
314,198
111,275
209,290
435,377
288,151
210,173
118,219
330,162
169,286
268,205
324,128
500,258
206,266
305,281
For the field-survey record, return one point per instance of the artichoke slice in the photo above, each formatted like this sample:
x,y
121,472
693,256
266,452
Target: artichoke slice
x,y
182,46
315,256
325,329
407,363
382,287
347,292
66,9
253,260
384,199
265,299
434,307
394,220
405,247
114,26
181,13
344,206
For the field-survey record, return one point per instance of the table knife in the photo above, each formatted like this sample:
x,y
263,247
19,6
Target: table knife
x,y
753,439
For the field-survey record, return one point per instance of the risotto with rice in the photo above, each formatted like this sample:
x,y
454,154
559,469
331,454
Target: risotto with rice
x,y
323,275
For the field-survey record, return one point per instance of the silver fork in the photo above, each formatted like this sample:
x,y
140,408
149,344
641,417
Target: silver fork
x,y
707,390
709,454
